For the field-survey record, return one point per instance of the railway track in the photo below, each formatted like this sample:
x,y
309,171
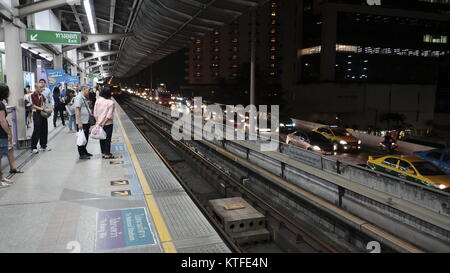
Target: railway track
x,y
204,180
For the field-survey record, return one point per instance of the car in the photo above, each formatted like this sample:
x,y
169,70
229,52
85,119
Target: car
x,y
311,141
439,157
340,137
411,168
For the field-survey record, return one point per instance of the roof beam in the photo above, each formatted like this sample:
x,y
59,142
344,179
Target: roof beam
x,y
77,18
103,20
99,64
95,56
96,38
28,9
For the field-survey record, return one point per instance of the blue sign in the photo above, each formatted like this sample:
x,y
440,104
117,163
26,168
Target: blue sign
x,y
54,77
123,228
72,82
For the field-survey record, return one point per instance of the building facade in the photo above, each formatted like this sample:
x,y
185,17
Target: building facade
x,y
354,60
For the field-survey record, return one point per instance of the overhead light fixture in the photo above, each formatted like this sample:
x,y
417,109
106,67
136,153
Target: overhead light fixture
x,y
90,16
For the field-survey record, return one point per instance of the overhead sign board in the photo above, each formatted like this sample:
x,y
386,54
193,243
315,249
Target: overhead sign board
x,y
53,37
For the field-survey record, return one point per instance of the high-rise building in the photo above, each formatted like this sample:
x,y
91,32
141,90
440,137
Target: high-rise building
x,y
353,59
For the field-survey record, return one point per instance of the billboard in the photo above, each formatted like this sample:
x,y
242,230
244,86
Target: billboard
x,y
55,76
29,79
72,82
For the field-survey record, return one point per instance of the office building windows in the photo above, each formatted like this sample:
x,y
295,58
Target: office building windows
x,y
435,39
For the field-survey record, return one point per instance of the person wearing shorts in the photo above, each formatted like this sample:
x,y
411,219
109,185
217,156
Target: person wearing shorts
x,y
5,132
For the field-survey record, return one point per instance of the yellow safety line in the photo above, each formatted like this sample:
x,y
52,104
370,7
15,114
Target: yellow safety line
x,y
161,227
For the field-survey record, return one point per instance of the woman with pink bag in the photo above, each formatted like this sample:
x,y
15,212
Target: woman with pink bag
x,y
104,115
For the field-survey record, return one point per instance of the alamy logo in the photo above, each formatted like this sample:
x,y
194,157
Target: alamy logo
x,y
374,2
233,123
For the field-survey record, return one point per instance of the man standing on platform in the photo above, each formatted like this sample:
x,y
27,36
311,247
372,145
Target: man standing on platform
x,y
82,113
48,95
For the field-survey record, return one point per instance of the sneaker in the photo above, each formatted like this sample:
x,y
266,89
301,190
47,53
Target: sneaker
x,y
85,157
35,151
4,185
89,154
7,181
45,149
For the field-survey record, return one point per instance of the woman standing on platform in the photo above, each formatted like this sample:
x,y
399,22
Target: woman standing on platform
x,y
5,132
104,114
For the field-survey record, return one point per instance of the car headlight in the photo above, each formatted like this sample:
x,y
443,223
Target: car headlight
x,y
281,124
343,142
442,187
316,148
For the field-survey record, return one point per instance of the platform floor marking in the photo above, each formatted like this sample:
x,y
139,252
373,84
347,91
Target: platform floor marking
x,y
161,227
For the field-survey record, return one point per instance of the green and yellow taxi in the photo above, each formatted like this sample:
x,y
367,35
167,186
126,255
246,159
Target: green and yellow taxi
x,y
340,137
411,168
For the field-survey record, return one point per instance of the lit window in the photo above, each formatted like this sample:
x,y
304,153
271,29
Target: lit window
x,y
216,49
235,49
235,40
273,48
273,14
197,65
216,41
216,74
234,57
273,65
273,31
273,40
274,5
235,66
198,49
274,22
198,41
198,74
435,39
216,65
216,32
273,57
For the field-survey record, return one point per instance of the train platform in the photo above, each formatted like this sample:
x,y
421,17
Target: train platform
x,y
129,204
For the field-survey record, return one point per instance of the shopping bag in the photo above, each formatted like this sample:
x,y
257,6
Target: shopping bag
x,y
98,133
81,138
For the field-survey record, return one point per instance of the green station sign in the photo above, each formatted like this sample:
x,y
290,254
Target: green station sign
x,y
92,75
53,37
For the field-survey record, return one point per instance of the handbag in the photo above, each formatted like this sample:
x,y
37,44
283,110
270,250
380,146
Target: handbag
x,y
44,114
92,120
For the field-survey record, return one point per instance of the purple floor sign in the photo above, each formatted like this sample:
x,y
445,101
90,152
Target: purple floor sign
x,y
123,228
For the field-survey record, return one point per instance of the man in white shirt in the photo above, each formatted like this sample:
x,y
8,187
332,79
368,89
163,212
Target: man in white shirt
x,y
48,95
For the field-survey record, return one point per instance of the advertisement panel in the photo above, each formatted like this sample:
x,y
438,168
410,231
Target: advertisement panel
x,y
29,79
72,82
55,76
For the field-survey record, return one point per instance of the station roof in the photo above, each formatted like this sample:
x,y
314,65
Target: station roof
x,y
160,27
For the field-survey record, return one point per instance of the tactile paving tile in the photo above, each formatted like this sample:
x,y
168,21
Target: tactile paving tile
x,y
183,218
214,248
142,148
149,160
161,179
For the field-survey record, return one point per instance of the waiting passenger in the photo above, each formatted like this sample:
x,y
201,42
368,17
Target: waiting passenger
x,y
82,113
11,157
104,115
5,132
70,99
59,105
27,103
47,93
40,122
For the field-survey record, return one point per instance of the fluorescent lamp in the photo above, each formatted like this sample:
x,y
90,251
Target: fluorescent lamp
x,y
88,9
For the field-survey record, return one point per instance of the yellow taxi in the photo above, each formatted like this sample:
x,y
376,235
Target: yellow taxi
x,y
411,168
340,136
